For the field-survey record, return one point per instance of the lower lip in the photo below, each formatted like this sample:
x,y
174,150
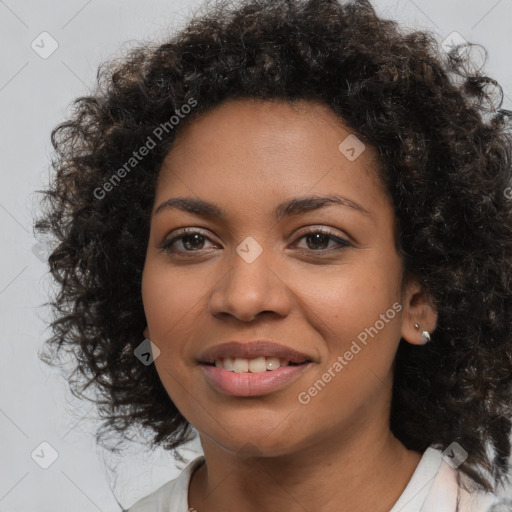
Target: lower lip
x,y
252,384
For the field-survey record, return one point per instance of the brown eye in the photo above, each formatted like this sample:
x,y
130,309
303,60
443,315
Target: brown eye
x,y
319,240
191,241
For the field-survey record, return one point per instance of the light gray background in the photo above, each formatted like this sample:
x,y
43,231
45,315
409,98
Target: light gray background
x,y
35,405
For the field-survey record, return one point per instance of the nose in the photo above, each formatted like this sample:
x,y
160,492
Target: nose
x,y
249,289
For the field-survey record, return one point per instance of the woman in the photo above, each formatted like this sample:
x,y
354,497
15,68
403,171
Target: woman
x,y
289,227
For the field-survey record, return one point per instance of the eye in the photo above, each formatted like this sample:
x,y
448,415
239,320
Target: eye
x,y
318,241
191,240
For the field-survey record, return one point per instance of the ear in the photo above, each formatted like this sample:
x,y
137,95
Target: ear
x,y
146,333
417,309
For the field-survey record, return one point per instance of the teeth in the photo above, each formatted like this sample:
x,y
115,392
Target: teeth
x,y
240,365
258,365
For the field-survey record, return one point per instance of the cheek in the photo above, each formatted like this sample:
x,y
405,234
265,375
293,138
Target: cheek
x,y
357,313
359,322
170,300
351,298
172,303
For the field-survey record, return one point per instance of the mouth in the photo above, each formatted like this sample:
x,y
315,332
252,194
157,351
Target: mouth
x,y
255,365
257,355
238,378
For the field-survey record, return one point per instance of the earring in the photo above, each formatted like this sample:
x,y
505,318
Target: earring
x,y
424,334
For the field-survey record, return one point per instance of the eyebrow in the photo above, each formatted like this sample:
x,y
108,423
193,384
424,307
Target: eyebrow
x,y
294,206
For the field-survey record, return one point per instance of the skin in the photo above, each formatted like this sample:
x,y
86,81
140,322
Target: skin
x,y
335,453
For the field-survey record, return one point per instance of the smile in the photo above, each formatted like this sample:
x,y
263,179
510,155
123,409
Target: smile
x,y
245,382
256,365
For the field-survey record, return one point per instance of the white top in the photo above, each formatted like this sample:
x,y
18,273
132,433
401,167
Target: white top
x,y
432,488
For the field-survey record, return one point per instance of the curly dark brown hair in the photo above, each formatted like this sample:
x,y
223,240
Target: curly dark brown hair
x,y
445,148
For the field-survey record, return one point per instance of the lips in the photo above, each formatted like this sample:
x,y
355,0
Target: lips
x,y
252,384
252,350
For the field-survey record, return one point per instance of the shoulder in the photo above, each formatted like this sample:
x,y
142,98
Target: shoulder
x,y
447,493
173,495
480,501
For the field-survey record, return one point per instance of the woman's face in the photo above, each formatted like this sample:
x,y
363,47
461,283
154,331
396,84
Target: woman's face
x,y
251,274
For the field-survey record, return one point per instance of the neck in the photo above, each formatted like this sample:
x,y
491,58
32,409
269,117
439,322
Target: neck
x,y
364,471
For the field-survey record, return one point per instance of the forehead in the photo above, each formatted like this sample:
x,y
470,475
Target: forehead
x,y
276,124
262,150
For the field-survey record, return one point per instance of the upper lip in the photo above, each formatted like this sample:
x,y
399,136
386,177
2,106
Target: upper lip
x,y
251,350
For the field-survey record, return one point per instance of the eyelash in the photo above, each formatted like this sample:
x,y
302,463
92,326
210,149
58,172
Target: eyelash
x,y
342,243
